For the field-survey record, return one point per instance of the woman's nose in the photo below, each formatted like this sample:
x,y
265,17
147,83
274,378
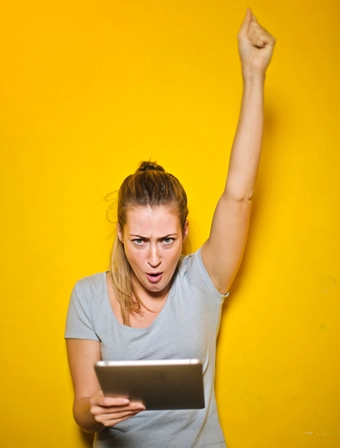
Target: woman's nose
x,y
154,258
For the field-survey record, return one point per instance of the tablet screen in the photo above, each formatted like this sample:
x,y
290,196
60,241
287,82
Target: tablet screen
x,y
165,384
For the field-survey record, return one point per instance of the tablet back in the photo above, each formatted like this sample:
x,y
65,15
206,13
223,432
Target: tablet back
x,y
166,384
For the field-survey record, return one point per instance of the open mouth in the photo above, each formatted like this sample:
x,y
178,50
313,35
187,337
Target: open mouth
x,y
154,278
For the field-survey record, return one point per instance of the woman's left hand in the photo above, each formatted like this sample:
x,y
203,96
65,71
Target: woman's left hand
x,y
255,46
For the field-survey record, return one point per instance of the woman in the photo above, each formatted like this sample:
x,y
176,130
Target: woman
x,y
154,304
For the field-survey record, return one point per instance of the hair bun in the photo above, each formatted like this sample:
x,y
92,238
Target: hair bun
x,y
150,166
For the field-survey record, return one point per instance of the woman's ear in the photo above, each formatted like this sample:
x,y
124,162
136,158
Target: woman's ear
x,y
119,232
185,230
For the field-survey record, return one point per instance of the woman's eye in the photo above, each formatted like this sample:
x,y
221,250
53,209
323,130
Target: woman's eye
x,y
168,241
138,241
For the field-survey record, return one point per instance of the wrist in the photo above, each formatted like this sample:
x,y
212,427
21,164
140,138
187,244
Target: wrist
x,y
83,416
253,76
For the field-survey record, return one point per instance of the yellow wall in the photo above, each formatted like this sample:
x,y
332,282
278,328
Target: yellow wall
x,y
90,88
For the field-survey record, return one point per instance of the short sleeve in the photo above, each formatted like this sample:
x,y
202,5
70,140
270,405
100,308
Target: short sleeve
x,y
79,322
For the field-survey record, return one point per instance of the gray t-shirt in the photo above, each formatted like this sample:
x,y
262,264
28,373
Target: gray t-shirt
x,y
186,327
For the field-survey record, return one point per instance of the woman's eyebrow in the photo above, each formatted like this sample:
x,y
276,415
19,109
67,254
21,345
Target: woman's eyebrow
x,y
136,235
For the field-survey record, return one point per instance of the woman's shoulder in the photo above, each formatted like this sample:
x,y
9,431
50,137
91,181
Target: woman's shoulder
x,y
189,264
87,297
91,283
187,259
193,271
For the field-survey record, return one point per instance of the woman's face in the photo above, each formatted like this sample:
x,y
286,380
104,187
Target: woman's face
x,y
152,239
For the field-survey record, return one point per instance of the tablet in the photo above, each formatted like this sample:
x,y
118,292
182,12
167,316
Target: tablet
x,y
159,385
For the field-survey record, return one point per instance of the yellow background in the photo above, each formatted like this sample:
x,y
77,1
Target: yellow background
x,y
88,90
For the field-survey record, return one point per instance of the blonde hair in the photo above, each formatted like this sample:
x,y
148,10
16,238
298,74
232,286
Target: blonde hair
x,y
149,186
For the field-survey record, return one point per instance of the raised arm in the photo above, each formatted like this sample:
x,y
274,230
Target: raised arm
x,y
223,251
